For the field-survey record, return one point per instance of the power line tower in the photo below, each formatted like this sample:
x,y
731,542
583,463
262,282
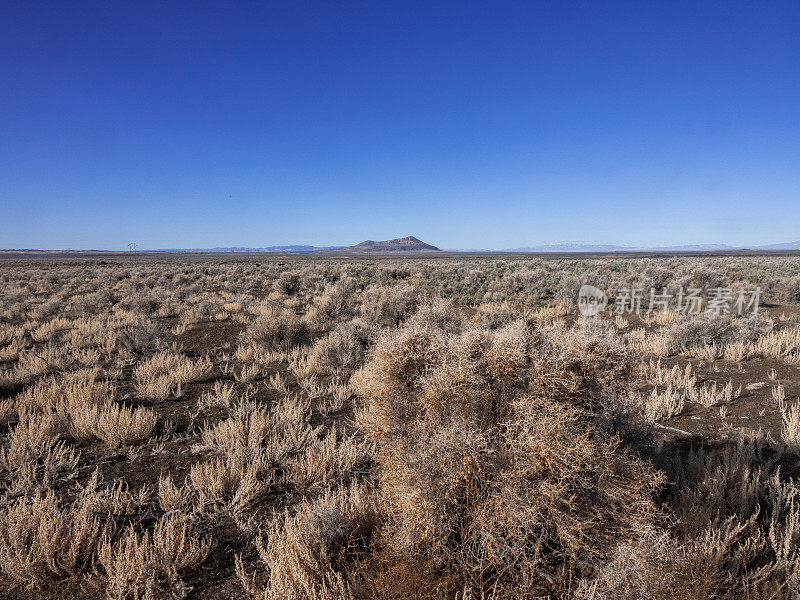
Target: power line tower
x,y
132,251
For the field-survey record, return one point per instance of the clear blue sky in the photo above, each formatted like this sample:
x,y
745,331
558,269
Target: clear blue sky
x,y
467,124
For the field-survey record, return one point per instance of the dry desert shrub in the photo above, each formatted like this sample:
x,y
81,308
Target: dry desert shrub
x,y
35,454
272,433
388,306
675,376
66,393
340,351
331,458
338,303
42,542
236,481
707,329
711,395
113,424
495,314
277,328
790,432
309,553
151,563
163,374
658,404
490,460
223,394
735,525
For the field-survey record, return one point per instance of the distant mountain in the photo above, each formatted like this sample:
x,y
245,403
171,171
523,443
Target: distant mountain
x,y
298,248
689,248
571,247
593,247
406,244
784,246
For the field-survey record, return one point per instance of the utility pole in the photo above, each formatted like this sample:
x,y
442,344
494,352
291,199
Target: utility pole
x,y
132,249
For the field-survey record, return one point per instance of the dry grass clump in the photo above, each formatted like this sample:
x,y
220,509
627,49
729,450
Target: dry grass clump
x,y
272,433
495,314
163,374
790,415
114,425
42,542
734,532
278,437
341,351
35,454
223,394
235,481
675,376
658,404
312,552
277,328
704,330
337,303
152,563
388,306
711,395
329,459
490,461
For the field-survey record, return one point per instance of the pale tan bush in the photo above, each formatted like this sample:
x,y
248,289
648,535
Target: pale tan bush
x,y
658,404
341,351
236,481
223,394
331,458
152,562
41,542
272,433
495,314
277,328
790,432
487,461
35,452
711,395
306,553
114,425
163,374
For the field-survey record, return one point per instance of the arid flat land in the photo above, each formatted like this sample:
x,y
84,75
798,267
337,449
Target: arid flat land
x,y
449,425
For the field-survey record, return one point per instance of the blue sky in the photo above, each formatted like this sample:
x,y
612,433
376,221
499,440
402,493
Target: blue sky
x,y
466,124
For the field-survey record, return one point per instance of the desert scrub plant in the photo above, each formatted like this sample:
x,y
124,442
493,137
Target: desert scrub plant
x,y
277,328
311,552
333,457
711,395
223,394
163,374
697,331
42,542
495,314
340,351
235,481
114,425
790,432
62,394
35,453
675,376
657,405
272,433
387,307
153,562
490,461
735,523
